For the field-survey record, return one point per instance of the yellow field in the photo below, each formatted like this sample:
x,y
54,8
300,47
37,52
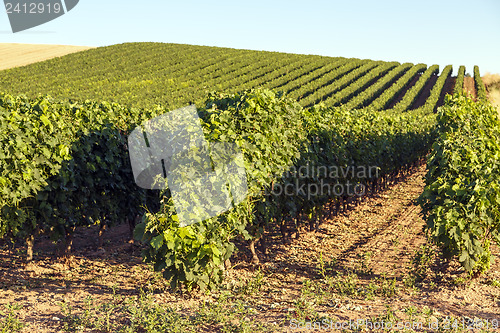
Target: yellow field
x,y
15,55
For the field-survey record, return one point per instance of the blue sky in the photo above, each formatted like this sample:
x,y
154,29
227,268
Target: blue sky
x,y
433,32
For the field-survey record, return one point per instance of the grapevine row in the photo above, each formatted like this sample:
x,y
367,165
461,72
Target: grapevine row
x,y
480,88
460,200
383,101
357,86
322,93
432,100
459,83
364,97
411,95
286,138
292,85
309,87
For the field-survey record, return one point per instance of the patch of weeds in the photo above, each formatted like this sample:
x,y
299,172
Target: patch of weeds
x,y
303,310
389,319
9,320
308,288
105,317
494,283
345,285
227,316
409,280
252,285
145,314
363,267
422,262
461,281
316,290
388,287
432,285
411,311
381,287
323,268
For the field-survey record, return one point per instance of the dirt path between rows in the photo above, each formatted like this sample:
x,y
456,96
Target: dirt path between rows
x,y
403,91
356,266
470,87
448,88
425,93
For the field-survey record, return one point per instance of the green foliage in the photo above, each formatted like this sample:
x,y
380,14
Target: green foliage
x,y
412,94
64,165
266,128
148,313
459,84
480,88
276,135
322,93
366,96
360,84
173,75
421,262
9,321
144,75
462,192
387,97
432,100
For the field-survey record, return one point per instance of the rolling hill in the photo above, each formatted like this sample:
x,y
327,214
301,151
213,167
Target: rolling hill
x,y
173,75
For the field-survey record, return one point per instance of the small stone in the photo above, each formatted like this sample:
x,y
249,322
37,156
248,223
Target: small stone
x,y
274,305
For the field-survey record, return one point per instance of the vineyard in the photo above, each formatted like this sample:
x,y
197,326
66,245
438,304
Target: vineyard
x,y
174,75
65,172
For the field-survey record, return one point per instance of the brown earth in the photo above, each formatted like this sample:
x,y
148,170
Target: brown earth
x,y
15,55
470,87
357,265
448,88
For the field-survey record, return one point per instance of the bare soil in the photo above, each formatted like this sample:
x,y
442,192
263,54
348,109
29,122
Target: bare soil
x,y
15,55
470,87
448,88
371,246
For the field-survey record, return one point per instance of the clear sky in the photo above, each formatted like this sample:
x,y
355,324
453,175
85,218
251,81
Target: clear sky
x,y
440,32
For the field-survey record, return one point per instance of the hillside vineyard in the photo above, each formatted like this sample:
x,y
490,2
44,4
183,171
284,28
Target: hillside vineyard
x,y
64,160
174,75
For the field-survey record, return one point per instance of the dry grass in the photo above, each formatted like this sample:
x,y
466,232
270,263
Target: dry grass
x,y
490,79
492,83
494,96
15,55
